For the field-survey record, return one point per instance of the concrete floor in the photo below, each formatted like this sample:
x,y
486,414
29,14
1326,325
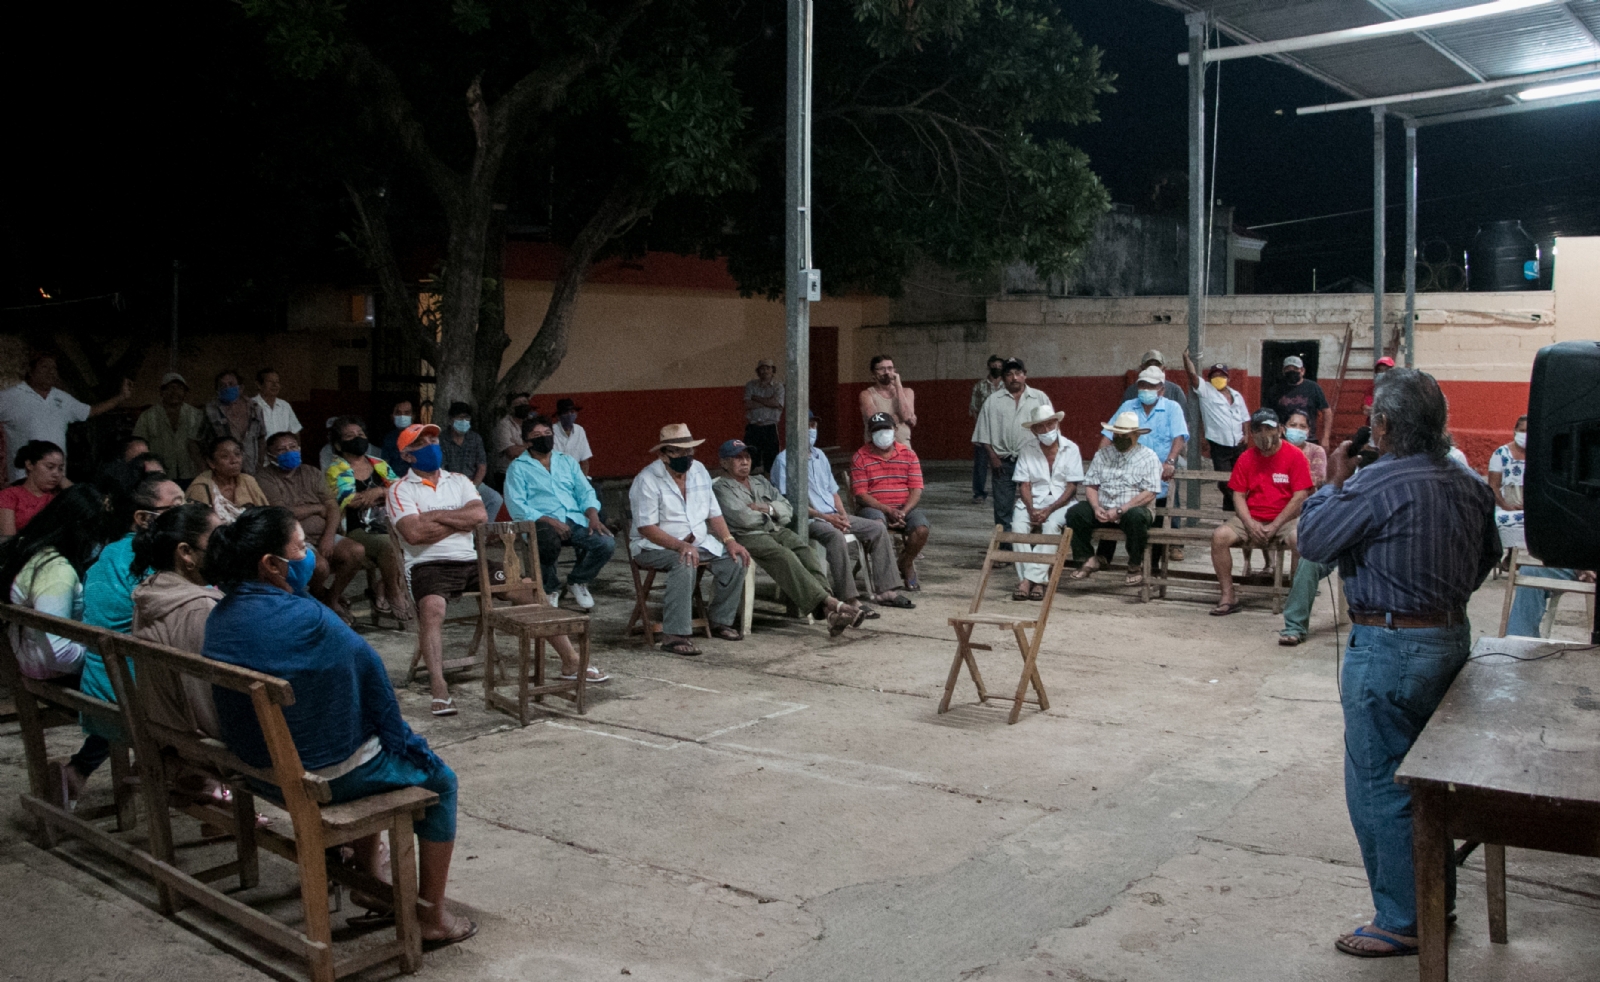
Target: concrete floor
x,y
793,808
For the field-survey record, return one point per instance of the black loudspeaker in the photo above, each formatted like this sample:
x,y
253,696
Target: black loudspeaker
x,y
1561,489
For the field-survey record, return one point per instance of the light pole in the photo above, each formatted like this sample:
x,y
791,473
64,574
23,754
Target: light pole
x,y
802,283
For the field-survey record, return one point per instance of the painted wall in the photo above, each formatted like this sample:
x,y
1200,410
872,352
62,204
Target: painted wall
x,y
1577,288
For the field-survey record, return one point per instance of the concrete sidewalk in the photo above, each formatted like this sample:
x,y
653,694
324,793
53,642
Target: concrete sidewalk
x,y
792,807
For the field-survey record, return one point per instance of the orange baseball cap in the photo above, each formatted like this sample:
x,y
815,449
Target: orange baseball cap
x,y
416,431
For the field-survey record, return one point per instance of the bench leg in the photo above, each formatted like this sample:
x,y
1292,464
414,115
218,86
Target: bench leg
x,y
244,820
123,791
583,671
1494,868
523,668
491,664
1030,674
539,668
963,632
313,863
403,875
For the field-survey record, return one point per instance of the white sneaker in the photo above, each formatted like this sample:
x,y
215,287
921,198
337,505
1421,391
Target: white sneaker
x,y
580,593
554,598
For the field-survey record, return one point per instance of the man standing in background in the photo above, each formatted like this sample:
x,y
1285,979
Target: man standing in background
x,y
981,391
276,414
763,407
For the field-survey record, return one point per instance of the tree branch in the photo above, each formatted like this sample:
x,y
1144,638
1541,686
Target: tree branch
x,y
368,73
379,257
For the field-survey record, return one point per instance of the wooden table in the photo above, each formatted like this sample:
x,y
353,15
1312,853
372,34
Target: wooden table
x,y
1509,759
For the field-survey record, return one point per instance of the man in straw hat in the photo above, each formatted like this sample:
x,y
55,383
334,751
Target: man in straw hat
x,y
677,525
1047,474
1166,431
1121,484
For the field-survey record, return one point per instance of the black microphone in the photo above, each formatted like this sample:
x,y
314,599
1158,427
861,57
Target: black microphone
x,y
1358,442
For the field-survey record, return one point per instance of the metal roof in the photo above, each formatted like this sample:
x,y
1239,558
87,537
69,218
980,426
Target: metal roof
x,y
1524,45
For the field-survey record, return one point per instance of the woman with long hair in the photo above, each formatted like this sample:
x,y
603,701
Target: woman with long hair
x,y
170,607
345,721
45,470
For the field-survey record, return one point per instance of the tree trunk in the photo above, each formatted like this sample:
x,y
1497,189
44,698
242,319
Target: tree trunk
x,y
463,293
492,340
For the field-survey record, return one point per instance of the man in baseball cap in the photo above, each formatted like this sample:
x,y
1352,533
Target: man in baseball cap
x,y
1154,359
759,517
1270,482
1300,394
175,431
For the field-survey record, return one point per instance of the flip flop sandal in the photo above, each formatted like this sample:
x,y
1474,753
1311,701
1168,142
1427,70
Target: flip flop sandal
x,y
1135,578
1022,592
898,601
726,633
1037,593
858,614
1083,572
1290,640
457,938
595,676
370,919
444,707
1223,610
867,613
679,646
1397,948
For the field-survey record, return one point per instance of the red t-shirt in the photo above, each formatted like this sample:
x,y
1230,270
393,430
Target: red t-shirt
x,y
891,479
25,503
1268,483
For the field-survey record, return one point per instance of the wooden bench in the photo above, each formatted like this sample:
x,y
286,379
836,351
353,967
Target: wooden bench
x,y
316,824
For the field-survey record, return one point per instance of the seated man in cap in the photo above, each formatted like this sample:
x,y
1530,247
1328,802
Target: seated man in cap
x,y
677,525
174,431
572,439
886,479
1164,431
547,486
1269,484
759,517
434,512
1047,474
1120,485
829,525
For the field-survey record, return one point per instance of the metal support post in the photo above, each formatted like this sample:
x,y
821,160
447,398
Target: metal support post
x,y
1378,205
1199,210
1411,245
797,262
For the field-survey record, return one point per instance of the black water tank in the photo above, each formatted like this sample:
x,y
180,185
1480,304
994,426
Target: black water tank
x,y
1502,257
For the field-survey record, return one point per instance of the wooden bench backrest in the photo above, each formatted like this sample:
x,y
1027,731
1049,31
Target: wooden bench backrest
x,y
995,555
507,536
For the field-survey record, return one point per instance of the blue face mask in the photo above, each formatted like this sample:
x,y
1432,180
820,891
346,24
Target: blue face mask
x,y
1148,397
461,425
299,571
228,396
428,459
289,459
401,422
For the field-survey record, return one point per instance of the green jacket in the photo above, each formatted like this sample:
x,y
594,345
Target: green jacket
x,y
734,498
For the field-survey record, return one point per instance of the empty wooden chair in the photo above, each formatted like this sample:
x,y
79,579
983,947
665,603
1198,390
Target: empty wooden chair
x,y
1018,624
531,624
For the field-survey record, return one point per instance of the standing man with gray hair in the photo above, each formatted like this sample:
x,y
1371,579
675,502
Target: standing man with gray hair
x,y
1413,535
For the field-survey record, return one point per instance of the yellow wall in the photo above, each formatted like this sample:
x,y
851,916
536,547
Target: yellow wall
x,y
1577,286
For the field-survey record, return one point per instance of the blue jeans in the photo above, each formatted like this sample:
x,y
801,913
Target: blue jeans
x,y
1528,606
1391,682
590,552
1302,595
980,470
390,772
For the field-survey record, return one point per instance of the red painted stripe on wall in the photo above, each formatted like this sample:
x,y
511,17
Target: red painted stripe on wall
x,y
623,426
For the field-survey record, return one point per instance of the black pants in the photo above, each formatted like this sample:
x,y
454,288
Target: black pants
x,y
1223,458
763,444
1004,495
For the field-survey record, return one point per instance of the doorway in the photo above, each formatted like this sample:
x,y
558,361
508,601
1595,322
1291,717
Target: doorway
x,y
1272,355
825,383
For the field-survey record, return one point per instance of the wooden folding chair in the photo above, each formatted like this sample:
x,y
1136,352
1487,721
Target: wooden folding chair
x,y
531,624
642,621
1552,586
1019,626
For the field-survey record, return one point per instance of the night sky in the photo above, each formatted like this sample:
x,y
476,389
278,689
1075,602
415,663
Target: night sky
x,y
136,140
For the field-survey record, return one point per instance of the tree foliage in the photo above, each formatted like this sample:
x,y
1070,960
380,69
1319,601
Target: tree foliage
x,y
629,124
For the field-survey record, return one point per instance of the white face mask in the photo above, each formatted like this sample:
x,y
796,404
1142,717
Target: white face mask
x,y
811,435
882,439
1520,439
1049,437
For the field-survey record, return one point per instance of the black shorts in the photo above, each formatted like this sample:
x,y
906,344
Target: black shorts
x,y
450,578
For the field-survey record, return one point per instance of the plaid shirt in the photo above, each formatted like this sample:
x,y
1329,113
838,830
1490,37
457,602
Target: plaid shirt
x,y
1123,476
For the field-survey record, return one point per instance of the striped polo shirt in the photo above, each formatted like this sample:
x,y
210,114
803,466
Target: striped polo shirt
x,y
888,479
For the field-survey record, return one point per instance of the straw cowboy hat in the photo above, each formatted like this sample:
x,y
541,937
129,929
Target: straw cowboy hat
x,y
1041,414
1126,424
676,435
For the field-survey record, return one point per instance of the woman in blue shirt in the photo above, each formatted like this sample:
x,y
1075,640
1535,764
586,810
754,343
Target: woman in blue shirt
x,y
345,721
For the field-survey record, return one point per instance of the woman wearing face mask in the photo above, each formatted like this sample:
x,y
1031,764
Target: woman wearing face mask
x,y
238,419
359,480
1297,430
46,469
224,485
1506,466
345,721
1047,474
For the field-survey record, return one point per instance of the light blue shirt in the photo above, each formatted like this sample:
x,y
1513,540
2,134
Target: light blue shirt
x,y
818,475
1166,423
562,492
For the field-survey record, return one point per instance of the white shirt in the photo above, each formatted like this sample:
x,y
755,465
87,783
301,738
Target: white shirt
x,y
411,495
1048,482
575,446
27,415
1225,421
279,418
655,500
